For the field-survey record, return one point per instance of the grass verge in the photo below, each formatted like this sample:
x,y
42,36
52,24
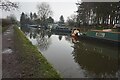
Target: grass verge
x,y
34,64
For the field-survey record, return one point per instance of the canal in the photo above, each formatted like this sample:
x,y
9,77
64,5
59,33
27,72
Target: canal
x,y
75,58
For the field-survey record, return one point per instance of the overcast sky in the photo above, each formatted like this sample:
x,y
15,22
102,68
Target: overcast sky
x,y
59,7
65,8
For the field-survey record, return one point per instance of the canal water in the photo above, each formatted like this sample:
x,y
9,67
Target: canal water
x,y
75,58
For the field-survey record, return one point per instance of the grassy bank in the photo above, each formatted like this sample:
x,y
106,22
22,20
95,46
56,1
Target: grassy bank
x,y
34,65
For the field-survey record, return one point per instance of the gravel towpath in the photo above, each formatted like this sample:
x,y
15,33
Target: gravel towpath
x,y
10,64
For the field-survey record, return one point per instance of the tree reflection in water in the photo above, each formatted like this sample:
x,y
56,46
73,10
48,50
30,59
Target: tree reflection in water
x,y
41,36
25,30
43,39
93,62
60,37
33,34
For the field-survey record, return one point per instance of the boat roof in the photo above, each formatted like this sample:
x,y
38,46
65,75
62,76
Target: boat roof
x,y
106,30
33,25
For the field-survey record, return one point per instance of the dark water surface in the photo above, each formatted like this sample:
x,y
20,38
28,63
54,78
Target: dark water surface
x,y
75,58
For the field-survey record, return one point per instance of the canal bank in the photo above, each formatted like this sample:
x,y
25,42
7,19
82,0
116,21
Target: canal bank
x,y
32,63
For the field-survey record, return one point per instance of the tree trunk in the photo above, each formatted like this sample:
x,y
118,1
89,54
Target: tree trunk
x,y
111,21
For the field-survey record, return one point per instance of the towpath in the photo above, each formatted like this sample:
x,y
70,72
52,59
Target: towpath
x,y
10,64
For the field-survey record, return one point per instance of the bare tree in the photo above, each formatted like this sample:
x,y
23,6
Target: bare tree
x,y
8,6
12,18
44,10
72,20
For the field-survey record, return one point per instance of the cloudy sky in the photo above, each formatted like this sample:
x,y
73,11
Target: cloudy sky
x,y
59,7
65,8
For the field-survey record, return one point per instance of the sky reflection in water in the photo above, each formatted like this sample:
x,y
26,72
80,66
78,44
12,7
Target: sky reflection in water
x,y
75,60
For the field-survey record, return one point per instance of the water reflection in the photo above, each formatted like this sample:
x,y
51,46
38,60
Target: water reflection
x,y
39,37
95,61
60,37
73,57
42,40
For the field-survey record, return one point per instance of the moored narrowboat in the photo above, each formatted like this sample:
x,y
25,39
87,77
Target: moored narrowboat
x,y
61,29
107,36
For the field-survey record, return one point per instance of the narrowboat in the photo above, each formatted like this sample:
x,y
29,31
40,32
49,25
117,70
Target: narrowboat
x,y
33,26
61,29
107,36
